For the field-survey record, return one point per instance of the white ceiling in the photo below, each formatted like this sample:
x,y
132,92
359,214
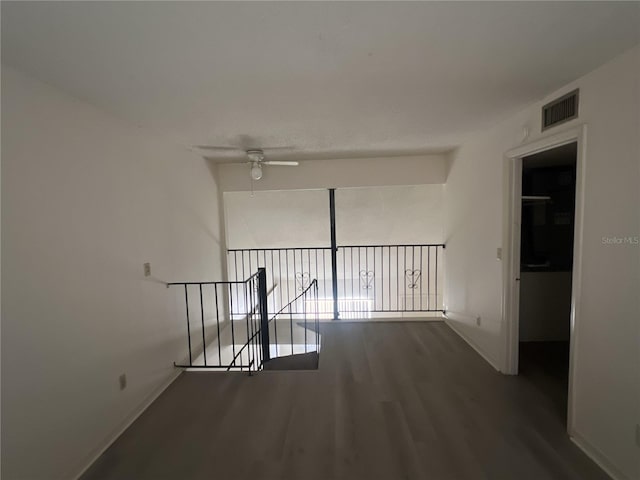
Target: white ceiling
x,y
335,79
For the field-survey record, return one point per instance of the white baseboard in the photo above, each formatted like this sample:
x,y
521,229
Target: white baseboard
x,y
129,421
471,343
597,456
385,320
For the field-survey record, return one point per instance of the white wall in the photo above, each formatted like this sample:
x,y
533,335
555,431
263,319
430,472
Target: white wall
x,y
389,215
86,200
380,215
342,173
607,390
277,219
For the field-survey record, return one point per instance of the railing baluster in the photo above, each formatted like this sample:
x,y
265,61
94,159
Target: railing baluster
x,y
286,256
351,259
373,280
264,316
291,327
404,257
368,283
256,325
243,273
436,277
359,275
233,334
413,269
389,250
344,276
235,257
186,301
428,278
273,300
324,275
382,277
246,299
315,251
204,343
295,273
215,293
397,278
253,320
421,270
317,321
280,286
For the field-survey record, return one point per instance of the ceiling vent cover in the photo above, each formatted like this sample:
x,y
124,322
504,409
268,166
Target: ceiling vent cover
x,y
560,110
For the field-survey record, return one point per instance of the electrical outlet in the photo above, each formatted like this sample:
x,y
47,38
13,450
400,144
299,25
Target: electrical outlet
x,y
123,381
478,321
147,269
499,253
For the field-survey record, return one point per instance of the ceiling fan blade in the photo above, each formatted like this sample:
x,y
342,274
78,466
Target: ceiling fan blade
x,y
281,147
219,148
282,163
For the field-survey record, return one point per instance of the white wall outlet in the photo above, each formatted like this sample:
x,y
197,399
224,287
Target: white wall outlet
x,y
499,253
122,380
147,269
478,321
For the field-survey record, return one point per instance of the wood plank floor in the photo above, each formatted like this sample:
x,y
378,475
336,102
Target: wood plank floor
x,y
389,401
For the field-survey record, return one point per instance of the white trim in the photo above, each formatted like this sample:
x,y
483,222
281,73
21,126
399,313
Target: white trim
x,y
513,159
447,320
129,421
547,142
598,457
511,267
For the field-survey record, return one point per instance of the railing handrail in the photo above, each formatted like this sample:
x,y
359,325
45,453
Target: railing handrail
x,y
395,245
402,277
311,284
254,360
214,283
233,361
275,248
443,245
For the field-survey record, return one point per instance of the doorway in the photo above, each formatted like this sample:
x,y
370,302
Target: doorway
x,y
514,160
548,194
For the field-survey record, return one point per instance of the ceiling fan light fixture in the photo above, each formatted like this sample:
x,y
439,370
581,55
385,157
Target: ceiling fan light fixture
x,y
256,171
255,155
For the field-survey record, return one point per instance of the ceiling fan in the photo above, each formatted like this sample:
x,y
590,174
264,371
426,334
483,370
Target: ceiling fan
x,y
255,158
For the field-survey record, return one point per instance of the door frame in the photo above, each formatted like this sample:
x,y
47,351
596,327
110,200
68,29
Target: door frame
x,y
511,264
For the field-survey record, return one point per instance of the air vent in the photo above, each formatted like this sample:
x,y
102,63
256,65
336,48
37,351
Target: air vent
x,y
560,110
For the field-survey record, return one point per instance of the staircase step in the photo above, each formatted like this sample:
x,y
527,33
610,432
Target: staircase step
x,y
301,361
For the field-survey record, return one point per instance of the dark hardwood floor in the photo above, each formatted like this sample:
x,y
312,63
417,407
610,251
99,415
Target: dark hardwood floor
x,y
546,366
389,401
